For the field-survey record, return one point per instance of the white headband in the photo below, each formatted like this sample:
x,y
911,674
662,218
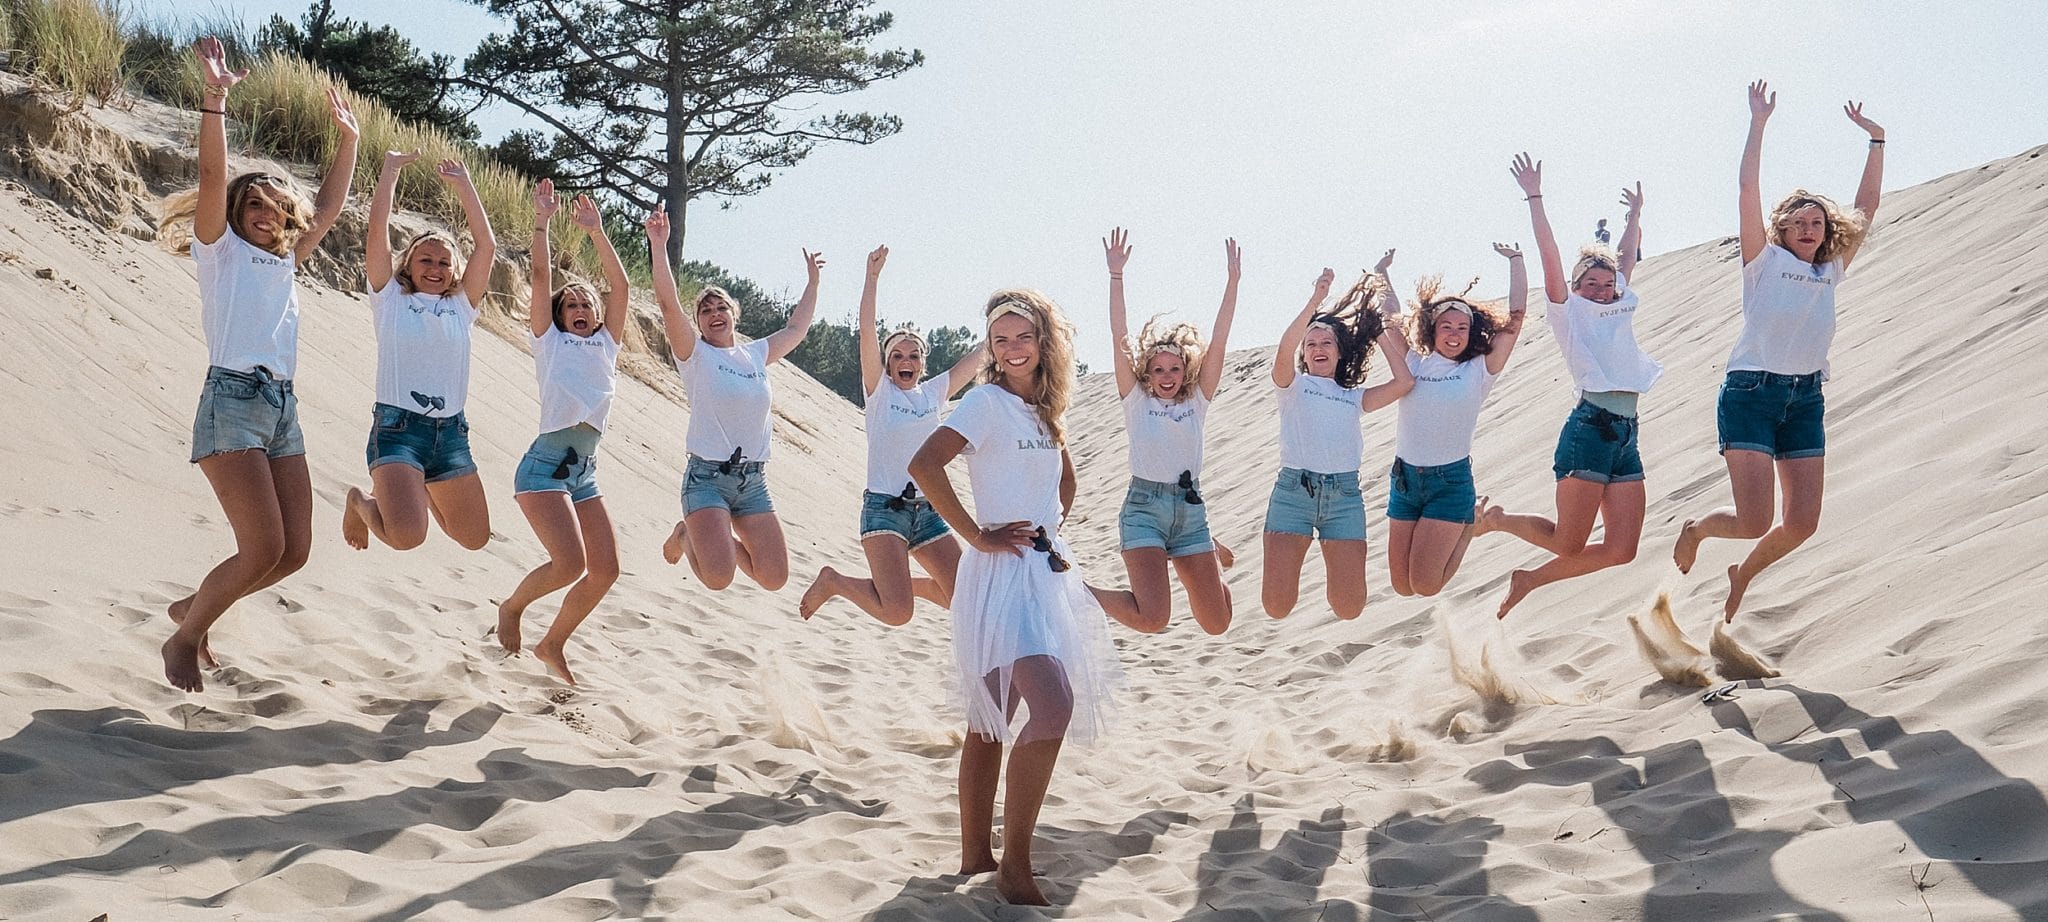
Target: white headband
x,y
1011,307
1453,304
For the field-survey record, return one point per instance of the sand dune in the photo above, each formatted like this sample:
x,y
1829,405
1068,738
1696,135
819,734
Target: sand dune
x,y
368,753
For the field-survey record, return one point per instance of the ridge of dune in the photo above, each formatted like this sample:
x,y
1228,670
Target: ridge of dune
x,y
368,752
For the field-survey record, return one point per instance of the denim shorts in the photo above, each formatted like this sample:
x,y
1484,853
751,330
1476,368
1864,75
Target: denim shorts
x,y
240,410
1779,415
1159,515
562,461
437,446
1327,506
917,523
740,489
1443,492
1599,446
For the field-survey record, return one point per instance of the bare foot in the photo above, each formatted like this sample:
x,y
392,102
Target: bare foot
x,y
508,626
672,549
979,864
819,593
550,652
1520,584
355,529
1688,549
1488,517
1225,556
1737,585
1019,888
181,664
177,613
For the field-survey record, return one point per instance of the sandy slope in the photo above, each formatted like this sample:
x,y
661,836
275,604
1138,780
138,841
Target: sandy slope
x,y
369,754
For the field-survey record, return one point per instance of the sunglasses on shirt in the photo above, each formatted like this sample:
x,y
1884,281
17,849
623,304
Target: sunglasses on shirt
x,y
1040,542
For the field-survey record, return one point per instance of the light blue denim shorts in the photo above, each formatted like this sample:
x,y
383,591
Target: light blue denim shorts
x,y
739,488
913,520
240,410
436,445
562,461
1158,515
1326,506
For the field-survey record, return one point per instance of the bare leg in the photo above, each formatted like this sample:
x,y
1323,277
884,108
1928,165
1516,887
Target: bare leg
x,y
293,482
243,483
460,508
888,595
601,552
672,549
941,560
1400,538
1621,509
1578,504
1344,570
1803,479
1041,683
981,766
1436,549
1208,597
554,523
396,512
705,538
1280,584
762,553
1148,605
1750,479
1224,555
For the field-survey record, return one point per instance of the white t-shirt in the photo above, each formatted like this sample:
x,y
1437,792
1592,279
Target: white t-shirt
x,y
1599,343
422,349
578,376
898,423
1788,314
1437,417
1166,438
248,306
729,400
1013,465
1319,425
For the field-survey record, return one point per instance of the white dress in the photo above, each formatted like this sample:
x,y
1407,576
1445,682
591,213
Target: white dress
x,y
1008,607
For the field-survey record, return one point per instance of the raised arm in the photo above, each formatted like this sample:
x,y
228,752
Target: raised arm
x,y
1750,199
1391,343
586,216
676,324
1867,191
1529,175
483,254
211,220
870,342
377,241
784,341
1518,306
1226,313
966,368
333,196
928,470
540,303
1390,308
1116,251
1290,338
1632,232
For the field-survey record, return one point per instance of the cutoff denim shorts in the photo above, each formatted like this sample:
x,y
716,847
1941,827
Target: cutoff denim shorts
x,y
740,489
239,410
562,461
1158,515
1312,505
1598,445
916,522
1779,415
1443,492
438,446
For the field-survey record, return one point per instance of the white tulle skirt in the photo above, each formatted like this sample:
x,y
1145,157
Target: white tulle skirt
x,y
1007,608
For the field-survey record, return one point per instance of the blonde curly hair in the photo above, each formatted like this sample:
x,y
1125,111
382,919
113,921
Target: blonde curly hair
x,y
1052,385
1845,232
1429,305
1594,256
179,211
1181,339
401,265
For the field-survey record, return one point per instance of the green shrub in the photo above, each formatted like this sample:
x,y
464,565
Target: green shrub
x,y
73,45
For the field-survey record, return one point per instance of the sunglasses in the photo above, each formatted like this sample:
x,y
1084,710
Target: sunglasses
x,y
1308,485
1187,485
568,463
1040,542
903,501
435,402
726,466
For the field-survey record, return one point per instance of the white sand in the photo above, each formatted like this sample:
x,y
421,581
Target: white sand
x,y
368,753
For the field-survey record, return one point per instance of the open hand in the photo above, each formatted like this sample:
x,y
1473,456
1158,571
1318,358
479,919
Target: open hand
x,y
1762,102
1010,537
1528,174
545,204
1509,250
213,64
584,214
1386,262
657,227
813,262
1230,257
1116,250
452,171
1323,283
1633,200
1855,112
397,159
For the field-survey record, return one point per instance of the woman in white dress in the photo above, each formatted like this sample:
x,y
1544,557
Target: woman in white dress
x,y
1026,630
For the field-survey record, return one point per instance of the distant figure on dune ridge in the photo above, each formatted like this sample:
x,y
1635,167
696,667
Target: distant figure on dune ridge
x,y
1026,629
728,517
1459,349
1771,408
896,523
1598,463
1319,374
1166,377
248,236
1600,232
576,363
423,305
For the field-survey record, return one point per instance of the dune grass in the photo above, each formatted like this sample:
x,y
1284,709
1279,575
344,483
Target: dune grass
x,y
73,45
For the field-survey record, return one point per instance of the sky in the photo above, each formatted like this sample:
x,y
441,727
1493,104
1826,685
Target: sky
x,y
1321,134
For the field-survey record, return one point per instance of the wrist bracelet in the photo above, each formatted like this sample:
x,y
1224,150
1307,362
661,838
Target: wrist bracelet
x,y
1531,198
1877,140
1115,277
213,111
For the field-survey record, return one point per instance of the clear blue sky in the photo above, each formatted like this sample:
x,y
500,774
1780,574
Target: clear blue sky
x,y
1319,134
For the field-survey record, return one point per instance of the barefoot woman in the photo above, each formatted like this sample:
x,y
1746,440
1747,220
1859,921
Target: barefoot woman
x,y
248,236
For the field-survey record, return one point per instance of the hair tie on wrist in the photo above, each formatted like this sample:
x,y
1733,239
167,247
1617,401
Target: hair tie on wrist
x,y
1877,140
